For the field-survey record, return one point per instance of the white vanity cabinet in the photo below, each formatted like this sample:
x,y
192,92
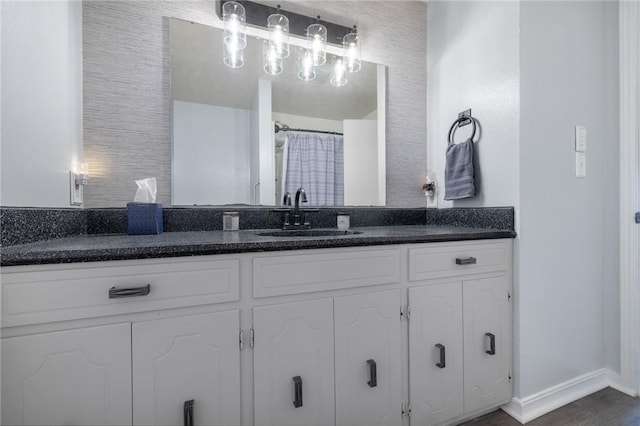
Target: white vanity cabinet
x,y
80,376
368,359
297,380
436,353
293,364
187,367
362,384
401,334
80,373
487,340
295,372
460,330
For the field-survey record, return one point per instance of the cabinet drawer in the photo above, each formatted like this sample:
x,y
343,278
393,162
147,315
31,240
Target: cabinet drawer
x,y
82,292
304,273
452,259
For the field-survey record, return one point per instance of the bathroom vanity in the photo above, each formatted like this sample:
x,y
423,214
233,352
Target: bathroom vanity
x,y
396,325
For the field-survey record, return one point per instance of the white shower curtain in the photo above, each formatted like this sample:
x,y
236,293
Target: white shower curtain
x,y
315,162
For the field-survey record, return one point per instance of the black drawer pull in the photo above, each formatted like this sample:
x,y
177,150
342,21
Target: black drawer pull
x,y
297,392
116,293
373,374
466,261
492,343
443,356
188,413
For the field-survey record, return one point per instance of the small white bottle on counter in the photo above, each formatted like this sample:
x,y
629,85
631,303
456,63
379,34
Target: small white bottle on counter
x,y
343,221
230,221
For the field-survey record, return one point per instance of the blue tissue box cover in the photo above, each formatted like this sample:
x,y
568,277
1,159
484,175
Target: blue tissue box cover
x,y
144,218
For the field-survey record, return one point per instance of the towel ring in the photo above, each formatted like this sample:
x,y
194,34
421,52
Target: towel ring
x,y
457,122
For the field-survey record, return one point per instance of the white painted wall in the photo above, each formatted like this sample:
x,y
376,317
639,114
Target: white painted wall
x,y
472,62
262,147
531,71
41,101
568,249
210,158
304,122
361,163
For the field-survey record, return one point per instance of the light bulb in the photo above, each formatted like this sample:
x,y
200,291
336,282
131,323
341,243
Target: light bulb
x,y
233,54
278,25
338,73
317,36
235,37
272,61
306,70
351,43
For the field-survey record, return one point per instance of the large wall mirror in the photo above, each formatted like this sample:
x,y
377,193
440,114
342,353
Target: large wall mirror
x,y
225,147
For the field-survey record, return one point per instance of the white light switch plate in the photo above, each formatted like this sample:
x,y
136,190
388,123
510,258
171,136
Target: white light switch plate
x,y
581,139
581,164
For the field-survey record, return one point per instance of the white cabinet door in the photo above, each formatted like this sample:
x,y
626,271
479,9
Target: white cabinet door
x,y
80,377
435,353
195,358
293,364
367,350
487,342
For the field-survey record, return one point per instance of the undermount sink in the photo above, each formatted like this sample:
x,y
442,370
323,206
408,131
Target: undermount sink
x,y
308,233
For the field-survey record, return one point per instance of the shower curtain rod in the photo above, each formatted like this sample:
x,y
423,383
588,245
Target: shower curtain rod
x,y
279,127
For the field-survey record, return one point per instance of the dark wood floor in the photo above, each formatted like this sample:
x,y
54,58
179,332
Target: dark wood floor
x,y
605,408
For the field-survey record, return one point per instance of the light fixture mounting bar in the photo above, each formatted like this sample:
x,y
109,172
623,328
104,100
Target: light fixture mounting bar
x,y
257,14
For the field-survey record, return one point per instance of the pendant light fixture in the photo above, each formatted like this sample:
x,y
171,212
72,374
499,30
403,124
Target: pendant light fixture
x,y
235,36
272,61
306,69
278,26
351,43
338,72
236,15
317,37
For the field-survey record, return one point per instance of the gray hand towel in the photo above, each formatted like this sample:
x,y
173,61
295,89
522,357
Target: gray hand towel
x,y
458,172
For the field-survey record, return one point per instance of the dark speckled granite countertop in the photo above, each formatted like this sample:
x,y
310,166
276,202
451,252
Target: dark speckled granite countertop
x,y
92,248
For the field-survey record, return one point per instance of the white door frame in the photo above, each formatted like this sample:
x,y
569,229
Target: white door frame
x,y
629,195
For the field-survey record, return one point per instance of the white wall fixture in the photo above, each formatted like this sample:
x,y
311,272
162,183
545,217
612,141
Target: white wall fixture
x,y
430,188
78,179
581,139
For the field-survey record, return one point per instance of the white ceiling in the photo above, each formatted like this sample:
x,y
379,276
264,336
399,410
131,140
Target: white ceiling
x,y
199,75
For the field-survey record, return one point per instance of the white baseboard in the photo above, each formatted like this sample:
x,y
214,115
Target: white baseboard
x,y
616,382
531,407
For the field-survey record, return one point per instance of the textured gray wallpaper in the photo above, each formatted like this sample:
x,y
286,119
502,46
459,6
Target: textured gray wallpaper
x,y
127,95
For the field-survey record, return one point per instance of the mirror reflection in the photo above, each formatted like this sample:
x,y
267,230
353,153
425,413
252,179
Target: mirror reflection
x,y
241,136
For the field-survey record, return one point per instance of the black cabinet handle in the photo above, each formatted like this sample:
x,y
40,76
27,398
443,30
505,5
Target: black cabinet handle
x,y
442,363
373,374
466,261
188,413
297,392
492,343
116,293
